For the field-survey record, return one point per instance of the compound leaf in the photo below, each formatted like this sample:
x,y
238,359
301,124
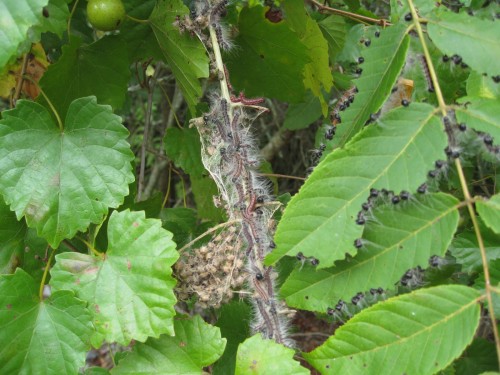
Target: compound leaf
x,y
474,39
395,240
99,69
130,288
196,344
394,154
267,53
265,357
62,181
481,114
41,337
382,339
185,55
383,62
17,17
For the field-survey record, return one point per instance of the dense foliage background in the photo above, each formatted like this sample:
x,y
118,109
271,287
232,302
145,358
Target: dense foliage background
x,y
380,152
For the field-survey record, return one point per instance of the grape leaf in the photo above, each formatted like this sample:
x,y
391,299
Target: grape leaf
x,y
229,322
99,69
394,240
334,31
265,357
130,288
139,37
481,114
63,181
489,210
383,62
439,321
184,54
196,344
267,53
301,115
41,337
17,17
12,234
183,147
474,39
55,18
394,154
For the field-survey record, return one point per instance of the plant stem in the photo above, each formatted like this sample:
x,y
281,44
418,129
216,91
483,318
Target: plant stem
x,y
357,17
45,272
136,19
70,17
282,176
19,86
463,182
52,108
91,248
145,140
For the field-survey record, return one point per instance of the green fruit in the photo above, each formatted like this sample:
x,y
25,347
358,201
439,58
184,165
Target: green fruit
x,y
105,15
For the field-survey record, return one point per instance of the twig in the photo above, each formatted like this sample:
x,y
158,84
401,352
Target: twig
x,y
19,86
282,176
463,182
145,140
357,17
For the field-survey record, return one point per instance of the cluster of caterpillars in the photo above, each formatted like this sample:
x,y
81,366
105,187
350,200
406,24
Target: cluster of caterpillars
x,y
230,154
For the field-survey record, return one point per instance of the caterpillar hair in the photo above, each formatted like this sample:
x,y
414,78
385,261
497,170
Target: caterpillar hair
x,y
427,74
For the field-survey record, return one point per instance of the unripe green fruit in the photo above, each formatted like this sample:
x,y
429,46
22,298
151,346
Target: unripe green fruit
x,y
105,15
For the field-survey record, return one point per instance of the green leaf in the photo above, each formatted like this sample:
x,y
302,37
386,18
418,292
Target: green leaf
x,y
394,240
475,40
229,322
56,20
394,154
489,210
63,181
139,37
334,31
204,190
184,148
185,55
266,51
317,74
196,344
479,283
416,333
182,222
482,86
482,115
12,234
265,357
301,115
17,17
466,249
383,62
130,288
99,69
41,337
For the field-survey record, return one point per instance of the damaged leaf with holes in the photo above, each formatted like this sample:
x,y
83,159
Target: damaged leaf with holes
x,y
196,344
129,288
